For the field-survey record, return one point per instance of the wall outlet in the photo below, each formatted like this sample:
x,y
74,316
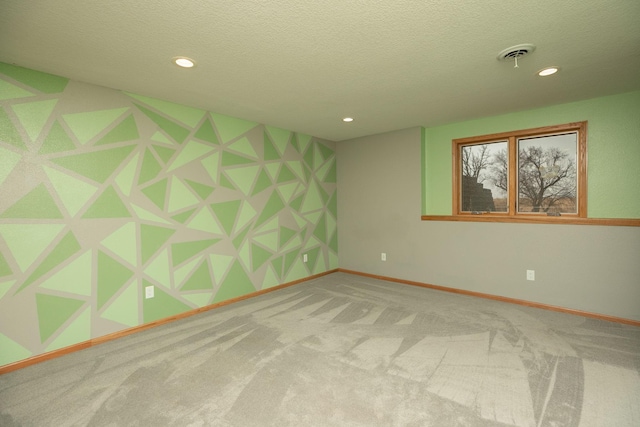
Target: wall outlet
x,y
531,275
383,256
304,258
148,292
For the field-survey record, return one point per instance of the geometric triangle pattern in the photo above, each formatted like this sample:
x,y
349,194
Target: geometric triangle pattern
x,y
108,195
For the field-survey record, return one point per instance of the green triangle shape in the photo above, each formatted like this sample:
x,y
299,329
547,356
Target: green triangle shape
x,y
230,159
125,179
27,241
226,212
157,193
297,272
8,161
276,263
202,190
226,183
289,259
75,277
78,331
206,133
308,157
126,130
152,238
269,151
188,115
58,255
247,213
11,91
231,127
303,141
5,270
287,190
296,167
332,174
11,350
313,199
73,192
53,312
180,196
161,306
57,140
184,216
323,194
219,265
210,164
244,254
108,205
297,202
272,169
269,240
164,153
286,175
44,82
174,130
236,284
259,256
204,221
112,276
8,132
262,183
200,299
270,279
148,216
181,252
34,115
333,204
243,177
273,206
96,165
243,146
312,258
333,243
240,238
280,137
325,151
150,167
87,125
190,152
38,203
321,264
318,159
123,243
285,235
199,280
181,273
124,309
158,269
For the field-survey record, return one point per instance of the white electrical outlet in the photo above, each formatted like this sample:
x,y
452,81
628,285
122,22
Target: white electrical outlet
x,y
383,256
148,292
531,275
304,258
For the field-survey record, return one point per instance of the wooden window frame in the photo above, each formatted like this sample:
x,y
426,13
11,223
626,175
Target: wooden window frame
x,y
512,142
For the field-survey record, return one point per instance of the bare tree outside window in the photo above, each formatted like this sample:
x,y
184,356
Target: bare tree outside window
x,y
547,180
479,189
524,175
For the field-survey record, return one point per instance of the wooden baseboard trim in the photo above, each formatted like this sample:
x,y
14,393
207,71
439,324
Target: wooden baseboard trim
x,y
110,337
499,298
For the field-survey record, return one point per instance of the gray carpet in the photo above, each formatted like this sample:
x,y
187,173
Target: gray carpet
x,y
344,350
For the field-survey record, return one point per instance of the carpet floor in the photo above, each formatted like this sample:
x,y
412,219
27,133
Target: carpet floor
x,y
344,350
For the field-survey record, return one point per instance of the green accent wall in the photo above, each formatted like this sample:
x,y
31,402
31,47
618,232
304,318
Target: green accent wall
x,y
613,150
105,192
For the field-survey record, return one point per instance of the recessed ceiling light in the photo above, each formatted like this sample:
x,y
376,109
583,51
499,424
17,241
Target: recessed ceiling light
x,y
548,71
184,62
347,119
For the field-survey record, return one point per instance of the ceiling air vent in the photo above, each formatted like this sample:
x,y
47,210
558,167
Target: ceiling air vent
x,y
514,52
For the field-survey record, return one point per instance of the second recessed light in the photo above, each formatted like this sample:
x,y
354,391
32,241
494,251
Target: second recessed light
x,y
184,62
347,119
548,71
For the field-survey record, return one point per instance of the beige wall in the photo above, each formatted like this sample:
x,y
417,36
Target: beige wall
x,y
590,268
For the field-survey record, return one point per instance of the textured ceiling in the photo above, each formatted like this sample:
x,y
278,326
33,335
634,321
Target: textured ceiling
x,y
305,65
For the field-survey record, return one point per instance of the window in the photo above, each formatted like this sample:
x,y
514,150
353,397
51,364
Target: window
x,y
532,174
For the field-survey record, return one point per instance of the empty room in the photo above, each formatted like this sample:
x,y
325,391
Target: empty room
x,y
278,213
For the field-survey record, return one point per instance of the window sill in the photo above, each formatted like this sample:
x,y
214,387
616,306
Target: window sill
x,y
625,222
